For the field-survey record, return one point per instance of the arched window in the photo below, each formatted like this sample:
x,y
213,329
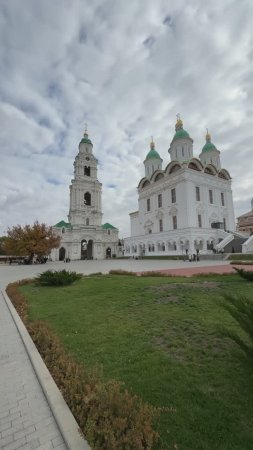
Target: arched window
x,y
87,171
87,199
87,221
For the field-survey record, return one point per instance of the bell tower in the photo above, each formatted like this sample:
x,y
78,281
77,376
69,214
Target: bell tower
x,y
85,190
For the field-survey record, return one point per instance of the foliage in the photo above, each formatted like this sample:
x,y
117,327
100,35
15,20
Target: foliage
x,y
241,309
108,415
18,300
247,275
155,274
241,262
241,256
2,245
169,257
29,240
122,272
57,278
162,338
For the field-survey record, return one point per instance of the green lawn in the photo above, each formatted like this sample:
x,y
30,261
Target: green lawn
x,y
162,337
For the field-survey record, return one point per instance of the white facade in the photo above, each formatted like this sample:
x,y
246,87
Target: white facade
x,y
84,236
188,206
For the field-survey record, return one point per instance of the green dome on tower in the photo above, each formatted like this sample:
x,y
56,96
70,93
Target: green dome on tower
x,y
180,132
152,154
209,146
85,139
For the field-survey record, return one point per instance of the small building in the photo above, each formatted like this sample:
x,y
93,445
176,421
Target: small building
x,y
186,207
245,221
84,236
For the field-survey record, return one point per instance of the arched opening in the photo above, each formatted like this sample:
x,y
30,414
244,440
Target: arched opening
x,y
62,254
146,183
87,199
108,253
175,168
159,176
84,246
87,221
87,171
193,166
86,249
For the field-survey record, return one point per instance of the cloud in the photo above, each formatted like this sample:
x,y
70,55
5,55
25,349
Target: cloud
x,y
126,69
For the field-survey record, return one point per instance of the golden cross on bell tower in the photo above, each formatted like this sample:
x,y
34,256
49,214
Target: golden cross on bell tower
x,y
85,128
178,116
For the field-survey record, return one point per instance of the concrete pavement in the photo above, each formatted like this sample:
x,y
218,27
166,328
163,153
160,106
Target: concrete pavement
x,y
26,420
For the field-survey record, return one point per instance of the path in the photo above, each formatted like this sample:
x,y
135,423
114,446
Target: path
x,y
26,420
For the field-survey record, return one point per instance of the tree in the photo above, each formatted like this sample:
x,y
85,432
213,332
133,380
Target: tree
x,y
38,239
241,309
2,245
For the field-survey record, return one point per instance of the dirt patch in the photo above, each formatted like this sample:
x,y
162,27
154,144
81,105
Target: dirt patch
x,y
169,299
186,286
191,345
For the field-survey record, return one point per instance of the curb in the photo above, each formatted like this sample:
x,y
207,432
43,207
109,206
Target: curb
x,y
64,418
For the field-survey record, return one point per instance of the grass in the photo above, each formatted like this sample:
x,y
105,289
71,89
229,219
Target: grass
x,y
163,338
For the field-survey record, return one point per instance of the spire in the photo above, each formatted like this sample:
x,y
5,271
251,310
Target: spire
x,y
85,134
152,144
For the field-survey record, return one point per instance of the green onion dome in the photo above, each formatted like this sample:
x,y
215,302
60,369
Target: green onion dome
x,y
180,132
209,146
85,139
152,154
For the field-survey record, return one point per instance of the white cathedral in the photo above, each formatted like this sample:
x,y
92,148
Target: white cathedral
x,y
186,207
84,236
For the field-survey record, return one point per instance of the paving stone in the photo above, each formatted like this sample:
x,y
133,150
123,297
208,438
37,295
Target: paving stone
x,y
15,445
24,408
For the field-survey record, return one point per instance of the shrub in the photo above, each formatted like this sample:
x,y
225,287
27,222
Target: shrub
x,y
241,256
241,263
155,274
247,275
122,272
241,309
94,274
108,415
57,278
18,299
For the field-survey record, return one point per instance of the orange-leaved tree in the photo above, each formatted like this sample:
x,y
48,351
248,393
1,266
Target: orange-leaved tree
x,y
30,240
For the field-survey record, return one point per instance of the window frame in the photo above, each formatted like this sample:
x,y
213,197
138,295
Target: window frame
x,y
199,221
160,200
197,193
173,195
174,222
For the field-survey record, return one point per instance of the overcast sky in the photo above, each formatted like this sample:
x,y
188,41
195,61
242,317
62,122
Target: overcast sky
x,y
127,69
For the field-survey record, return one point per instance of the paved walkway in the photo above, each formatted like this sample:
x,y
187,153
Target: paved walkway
x,y
26,420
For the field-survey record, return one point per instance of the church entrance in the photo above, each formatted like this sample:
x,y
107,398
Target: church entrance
x,y
108,252
86,249
62,253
